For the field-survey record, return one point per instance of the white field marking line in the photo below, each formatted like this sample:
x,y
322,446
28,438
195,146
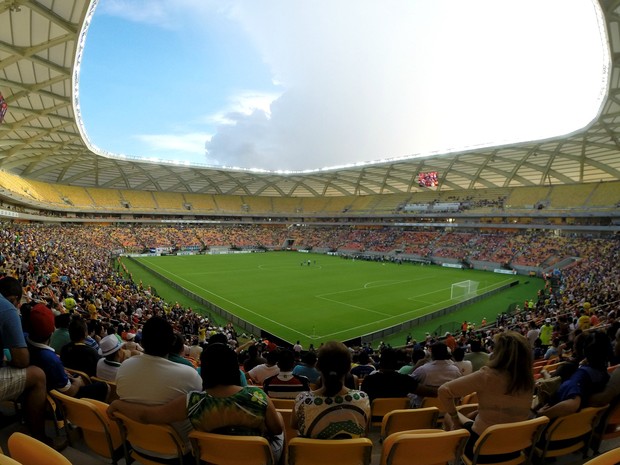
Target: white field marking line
x,y
260,267
406,313
387,282
292,267
351,305
220,271
231,302
390,283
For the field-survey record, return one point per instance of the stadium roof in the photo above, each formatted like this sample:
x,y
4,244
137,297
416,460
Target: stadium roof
x,y
42,137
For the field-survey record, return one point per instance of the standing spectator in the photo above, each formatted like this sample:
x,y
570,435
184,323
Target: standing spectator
x,y
546,332
450,341
532,333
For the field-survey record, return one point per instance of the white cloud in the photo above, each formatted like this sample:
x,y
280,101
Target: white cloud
x,y
363,80
390,79
166,146
242,105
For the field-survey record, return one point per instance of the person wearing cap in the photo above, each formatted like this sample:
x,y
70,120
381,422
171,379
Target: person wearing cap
x,y
107,367
38,322
130,344
546,331
18,377
450,341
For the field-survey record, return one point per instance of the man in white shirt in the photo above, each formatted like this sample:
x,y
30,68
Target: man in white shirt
x,y
153,379
260,373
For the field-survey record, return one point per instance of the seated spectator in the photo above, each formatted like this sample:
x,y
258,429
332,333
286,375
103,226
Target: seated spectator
x,y
253,359
387,382
220,338
459,360
223,407
504,388
18,378
77,355
60,336
553,350
590,378
418,358
177,350
152,379
307,367
108,365
39,324
95,328
260,373
610,394
333,411
130,344
477,356
364,367
285,385
438,371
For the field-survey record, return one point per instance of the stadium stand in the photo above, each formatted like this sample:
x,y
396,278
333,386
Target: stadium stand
x,y
531,207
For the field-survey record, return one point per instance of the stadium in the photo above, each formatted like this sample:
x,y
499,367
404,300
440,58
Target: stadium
x,y
495,218
559,188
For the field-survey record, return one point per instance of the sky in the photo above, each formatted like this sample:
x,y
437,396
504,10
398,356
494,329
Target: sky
x,y
302,85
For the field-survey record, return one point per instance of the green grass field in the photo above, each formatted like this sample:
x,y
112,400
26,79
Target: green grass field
x,y
332,298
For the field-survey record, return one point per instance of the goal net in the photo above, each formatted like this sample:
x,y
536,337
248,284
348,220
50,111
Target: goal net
x,y
464,289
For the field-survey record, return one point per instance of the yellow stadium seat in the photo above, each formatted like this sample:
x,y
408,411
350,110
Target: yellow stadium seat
x,y
424,447
382,405
508,438
304,451
221,449
611,457
29,451
574,432
158,439
101,435
409,419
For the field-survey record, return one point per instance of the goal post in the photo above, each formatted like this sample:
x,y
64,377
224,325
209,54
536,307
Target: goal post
x,y
464,289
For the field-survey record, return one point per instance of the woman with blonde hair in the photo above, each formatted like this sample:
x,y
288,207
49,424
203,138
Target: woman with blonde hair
x,y
504,388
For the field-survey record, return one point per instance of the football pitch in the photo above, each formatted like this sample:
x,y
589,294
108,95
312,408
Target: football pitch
x,y
329,298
